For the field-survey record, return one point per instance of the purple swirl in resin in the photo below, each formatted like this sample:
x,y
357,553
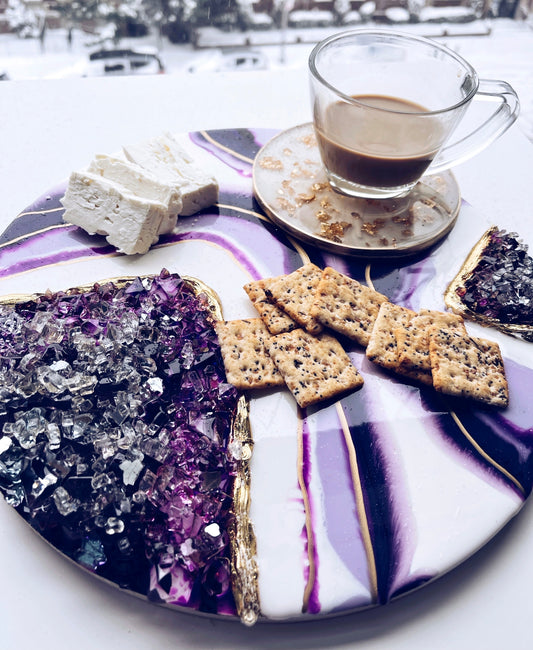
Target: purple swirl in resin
x,y
311,602
237,149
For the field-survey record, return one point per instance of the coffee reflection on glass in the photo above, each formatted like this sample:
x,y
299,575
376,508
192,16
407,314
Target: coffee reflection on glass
x,y
384,104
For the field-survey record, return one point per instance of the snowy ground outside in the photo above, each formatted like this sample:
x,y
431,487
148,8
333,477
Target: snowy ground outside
x,y
498,49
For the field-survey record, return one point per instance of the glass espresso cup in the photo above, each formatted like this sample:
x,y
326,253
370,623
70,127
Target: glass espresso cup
x,y
384,107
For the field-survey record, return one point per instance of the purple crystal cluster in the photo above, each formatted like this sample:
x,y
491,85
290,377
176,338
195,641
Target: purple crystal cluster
x,y
501,285
115,416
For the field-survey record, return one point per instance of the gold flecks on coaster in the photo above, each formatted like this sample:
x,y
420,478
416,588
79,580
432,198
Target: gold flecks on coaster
x,y
268,162
300,198
334,231
309,139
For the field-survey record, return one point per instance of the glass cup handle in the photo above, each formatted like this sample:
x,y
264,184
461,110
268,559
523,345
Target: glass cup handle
x,y
492,128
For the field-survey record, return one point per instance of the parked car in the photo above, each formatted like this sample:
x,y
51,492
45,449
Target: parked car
x,y
231,59
117,61
3,75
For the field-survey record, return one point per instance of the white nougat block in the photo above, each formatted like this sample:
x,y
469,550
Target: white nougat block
x,y
97,205
164,157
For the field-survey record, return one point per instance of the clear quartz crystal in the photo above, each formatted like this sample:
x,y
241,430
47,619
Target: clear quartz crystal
x,y
187,355
54,435
80,384
5,443
65,504
99,481
29,361
25,435
50,381
53,333
114,525
155,384
39,321
212,529
131,471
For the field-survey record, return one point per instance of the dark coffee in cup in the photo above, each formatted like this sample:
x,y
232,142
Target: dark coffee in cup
x,y
376,142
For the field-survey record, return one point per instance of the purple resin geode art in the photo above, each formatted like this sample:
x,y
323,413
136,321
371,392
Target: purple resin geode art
x,y
116,416
495,285
117,440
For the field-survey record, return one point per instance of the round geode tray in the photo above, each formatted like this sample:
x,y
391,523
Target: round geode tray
x,y
335,508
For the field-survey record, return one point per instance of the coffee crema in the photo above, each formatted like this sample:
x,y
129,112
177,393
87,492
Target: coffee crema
x,y
378,141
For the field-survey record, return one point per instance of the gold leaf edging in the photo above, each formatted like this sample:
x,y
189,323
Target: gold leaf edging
x,y
244,571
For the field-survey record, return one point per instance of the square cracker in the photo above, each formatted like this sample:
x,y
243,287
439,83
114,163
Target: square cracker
x,y
382,347
246,360
294,294
412,340
464,366
346,306
314,368
276,320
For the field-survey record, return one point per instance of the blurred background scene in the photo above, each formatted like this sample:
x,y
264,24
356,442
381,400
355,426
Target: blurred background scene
x,y
47,39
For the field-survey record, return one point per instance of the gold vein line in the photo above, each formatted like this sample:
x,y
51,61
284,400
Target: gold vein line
x,y
24,214
308,525
301,252
368,278
243,210
117,254
360,504
483,453
62,263
235,154
57,226
67,225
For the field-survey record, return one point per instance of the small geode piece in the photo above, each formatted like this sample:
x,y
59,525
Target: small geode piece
x,y
495,284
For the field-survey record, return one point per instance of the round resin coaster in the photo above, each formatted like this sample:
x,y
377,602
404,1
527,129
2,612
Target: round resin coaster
x,y
291,185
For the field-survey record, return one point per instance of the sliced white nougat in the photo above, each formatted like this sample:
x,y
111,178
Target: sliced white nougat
x,y
171,163
97,205
142,183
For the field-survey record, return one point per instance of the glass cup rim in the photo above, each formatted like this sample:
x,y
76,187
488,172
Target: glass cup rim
x,y
397,35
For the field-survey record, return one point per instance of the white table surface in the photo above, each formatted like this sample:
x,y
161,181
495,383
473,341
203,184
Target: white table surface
x,y
49,128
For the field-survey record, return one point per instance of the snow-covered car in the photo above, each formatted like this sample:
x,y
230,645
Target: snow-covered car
x,y
303,18
226,60
446,15
117,61
3,75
